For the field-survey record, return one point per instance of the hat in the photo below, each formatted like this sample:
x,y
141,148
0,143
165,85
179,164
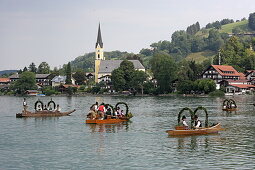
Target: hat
x,y
183,117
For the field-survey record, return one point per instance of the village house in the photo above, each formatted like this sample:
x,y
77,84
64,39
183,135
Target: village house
x,y
60,80
41,79
228,77
5,80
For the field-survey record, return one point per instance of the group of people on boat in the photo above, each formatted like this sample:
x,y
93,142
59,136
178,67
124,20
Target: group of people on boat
x,y
41,107
104,111
197,122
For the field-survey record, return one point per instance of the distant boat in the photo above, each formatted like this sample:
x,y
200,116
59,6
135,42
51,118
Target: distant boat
x,y
40,95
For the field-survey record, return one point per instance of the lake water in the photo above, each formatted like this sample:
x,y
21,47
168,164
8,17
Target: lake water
x,y
68,143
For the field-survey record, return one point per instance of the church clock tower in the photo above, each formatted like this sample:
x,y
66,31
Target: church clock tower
x,y
99,53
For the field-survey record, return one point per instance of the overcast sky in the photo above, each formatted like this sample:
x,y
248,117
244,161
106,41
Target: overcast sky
x,y
58,31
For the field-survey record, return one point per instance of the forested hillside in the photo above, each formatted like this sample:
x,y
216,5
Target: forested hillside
x,y
194,43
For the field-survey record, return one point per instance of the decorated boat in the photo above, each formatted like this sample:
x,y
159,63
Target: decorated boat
x,y
229,105
111,119
181,130
49,110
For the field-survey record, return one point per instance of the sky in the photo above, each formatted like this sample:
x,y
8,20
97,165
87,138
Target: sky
x,y
58,31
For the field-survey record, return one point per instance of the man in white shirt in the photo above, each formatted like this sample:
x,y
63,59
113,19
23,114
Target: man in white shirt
x,y
197,122
184,122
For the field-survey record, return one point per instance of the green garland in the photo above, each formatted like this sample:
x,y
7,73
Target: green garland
x,y
192,115
38,102
54,104
206,114
228,103
123,104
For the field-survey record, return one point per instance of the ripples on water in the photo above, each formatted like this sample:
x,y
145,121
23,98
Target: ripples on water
x,y
68,143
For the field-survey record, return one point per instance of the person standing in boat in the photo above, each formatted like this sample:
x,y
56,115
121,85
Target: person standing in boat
x,y
184,123
198,123
25,105
101,111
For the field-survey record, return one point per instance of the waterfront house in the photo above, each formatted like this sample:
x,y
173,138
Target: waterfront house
x,y
5,80
60,80
41,79
222,72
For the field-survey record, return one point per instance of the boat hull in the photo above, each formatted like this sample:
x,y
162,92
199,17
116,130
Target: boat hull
x,y
105,121
233,109
43,114
200,131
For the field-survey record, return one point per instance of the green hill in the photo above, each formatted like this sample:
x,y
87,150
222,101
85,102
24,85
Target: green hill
x,y
243,25
199,57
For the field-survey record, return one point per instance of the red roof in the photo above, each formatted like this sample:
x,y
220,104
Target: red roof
x,y
5,80
222,69
243,86
238,81
70,85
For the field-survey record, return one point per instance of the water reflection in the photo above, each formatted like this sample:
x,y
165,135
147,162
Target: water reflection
x,y
194,142
108,128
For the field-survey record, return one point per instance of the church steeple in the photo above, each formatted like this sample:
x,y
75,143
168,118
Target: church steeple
x,y
99,53
99,38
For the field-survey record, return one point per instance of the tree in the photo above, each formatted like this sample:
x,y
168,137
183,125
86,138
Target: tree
x,y
24,69
251,21
43,68
118,79
25,82
32,67
128,69
214,40
138,80
164,69
80,77
68,73
185,87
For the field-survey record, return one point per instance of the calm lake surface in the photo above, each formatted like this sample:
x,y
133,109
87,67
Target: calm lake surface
x,y
68,143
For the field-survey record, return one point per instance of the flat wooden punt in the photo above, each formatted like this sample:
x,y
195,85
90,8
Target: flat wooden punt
x,y
105,121
232,109
43,113
201,131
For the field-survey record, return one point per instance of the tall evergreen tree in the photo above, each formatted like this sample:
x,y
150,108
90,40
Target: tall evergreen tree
x,y
68,74
32,67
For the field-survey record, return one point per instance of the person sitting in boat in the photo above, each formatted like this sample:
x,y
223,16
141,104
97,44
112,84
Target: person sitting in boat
x,y
58,109
184,122
101,111
108,112
92,114
95,107
50,108
118,112
122,113
198,123
45,107
39,108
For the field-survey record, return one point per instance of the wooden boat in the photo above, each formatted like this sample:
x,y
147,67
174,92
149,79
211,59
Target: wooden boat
x,y
106,121
229,105
110,119
44,113
229,109
179,131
